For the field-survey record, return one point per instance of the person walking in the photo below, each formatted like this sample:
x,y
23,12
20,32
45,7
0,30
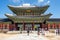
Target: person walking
x,y
28,31
38,31
43,32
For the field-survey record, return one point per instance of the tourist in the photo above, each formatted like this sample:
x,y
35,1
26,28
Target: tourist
x,y
43,32
56,31
38,31
28,31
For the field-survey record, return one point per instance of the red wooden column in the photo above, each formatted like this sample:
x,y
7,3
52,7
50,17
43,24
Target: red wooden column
x,y
14,26
48,26
23,25
53,25
8,26
3,26
33,26
59,25
43,26
0,26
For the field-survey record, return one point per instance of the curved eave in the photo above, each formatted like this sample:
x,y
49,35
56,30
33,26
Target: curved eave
x,y
10,17
24,18
28,7
33,9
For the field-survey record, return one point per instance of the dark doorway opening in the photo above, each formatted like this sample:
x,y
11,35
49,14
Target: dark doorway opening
x,y
18,25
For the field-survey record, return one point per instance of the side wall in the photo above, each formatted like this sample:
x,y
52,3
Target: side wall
x,y
11,27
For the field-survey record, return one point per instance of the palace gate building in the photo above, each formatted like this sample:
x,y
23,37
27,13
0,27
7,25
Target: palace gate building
x,y
28,16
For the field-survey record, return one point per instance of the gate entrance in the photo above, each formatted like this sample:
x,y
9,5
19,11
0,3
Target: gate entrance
x,y
28,26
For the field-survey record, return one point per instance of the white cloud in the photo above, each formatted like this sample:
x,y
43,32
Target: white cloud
x,y
47,3
15,1
40,1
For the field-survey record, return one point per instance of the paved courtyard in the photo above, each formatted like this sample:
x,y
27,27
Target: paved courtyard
x,y
32,36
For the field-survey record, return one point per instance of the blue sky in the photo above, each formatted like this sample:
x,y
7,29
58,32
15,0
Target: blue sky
x,y
54,6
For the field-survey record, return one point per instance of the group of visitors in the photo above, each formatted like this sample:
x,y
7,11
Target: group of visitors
x,y
39,30
57,31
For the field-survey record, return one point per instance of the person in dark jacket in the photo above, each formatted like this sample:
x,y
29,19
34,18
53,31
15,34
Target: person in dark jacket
x,y
28,31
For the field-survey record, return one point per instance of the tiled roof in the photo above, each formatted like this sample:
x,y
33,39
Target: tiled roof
x,y
5,20
50,20
54,19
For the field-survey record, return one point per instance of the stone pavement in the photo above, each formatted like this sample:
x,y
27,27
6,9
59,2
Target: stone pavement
x,y
25,37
